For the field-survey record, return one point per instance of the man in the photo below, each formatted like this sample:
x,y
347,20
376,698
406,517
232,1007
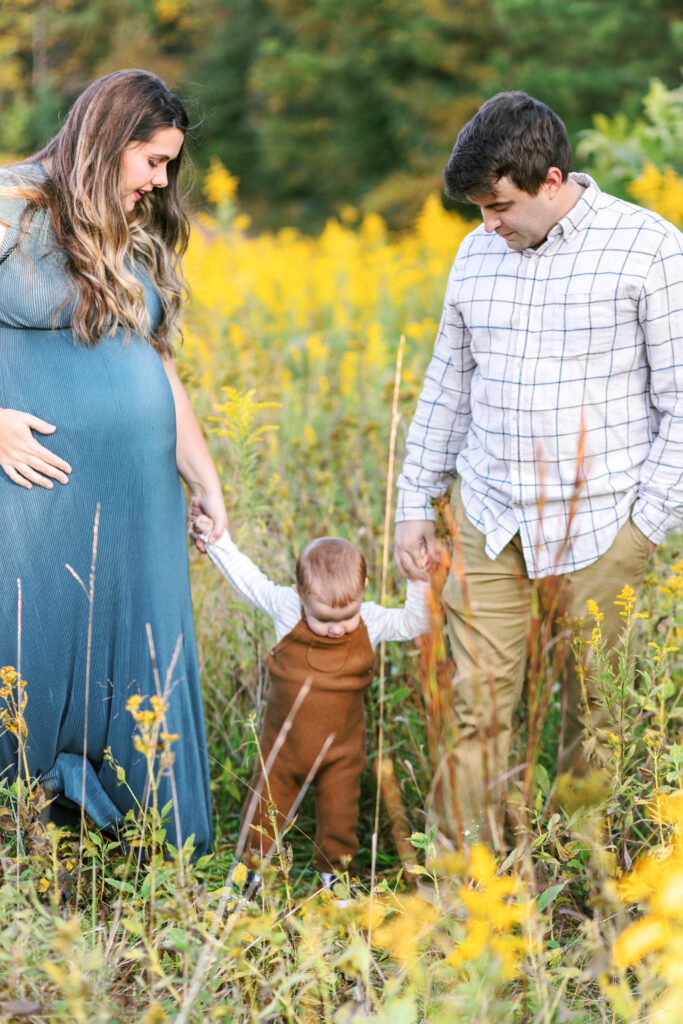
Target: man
x,y
555,395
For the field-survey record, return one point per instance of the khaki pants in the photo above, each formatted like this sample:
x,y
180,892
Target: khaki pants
x,y
500,622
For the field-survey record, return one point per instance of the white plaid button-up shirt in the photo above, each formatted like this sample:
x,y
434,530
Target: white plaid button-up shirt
x,y
555,390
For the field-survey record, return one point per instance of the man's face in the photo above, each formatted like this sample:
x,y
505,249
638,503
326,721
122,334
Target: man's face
x,y
521,219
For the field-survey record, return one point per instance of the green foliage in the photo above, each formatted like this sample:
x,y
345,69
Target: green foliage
x,y
235,422
616,149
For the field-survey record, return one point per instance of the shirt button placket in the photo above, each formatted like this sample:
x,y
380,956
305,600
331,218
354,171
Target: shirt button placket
x,y
525,453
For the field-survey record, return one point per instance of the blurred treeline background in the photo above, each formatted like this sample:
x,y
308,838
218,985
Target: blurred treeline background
x,y
316,104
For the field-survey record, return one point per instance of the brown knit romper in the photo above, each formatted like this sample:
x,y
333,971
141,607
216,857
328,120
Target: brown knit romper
x,y
340,669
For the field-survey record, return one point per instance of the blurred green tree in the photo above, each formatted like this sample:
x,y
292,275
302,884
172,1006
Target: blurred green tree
x,y
316,104
215,79
360,100
588,56
52,49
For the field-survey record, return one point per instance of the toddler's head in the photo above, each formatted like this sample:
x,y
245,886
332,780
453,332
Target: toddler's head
x,y
330,581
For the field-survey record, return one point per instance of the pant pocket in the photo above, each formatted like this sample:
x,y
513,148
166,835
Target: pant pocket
x,y
639,537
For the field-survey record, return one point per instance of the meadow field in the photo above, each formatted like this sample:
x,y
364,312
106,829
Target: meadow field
x,y
290,356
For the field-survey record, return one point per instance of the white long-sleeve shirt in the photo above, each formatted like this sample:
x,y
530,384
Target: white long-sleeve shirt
x,y
283,606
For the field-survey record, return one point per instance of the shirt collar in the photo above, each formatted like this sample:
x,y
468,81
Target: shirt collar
x,y
582,211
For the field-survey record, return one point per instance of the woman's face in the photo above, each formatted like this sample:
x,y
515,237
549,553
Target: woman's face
x,y
143,165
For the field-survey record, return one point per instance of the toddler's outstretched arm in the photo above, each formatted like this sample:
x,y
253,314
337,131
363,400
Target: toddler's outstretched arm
x,y
280,603
405,623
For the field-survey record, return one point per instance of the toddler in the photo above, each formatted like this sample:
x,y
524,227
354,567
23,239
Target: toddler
x,y
326,634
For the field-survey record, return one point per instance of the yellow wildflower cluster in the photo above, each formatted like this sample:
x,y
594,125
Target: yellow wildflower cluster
x,y
597,616
313,313
220,186
14,697
661,190
492,908
169,10
673,586
404,933
658,652
150,734
626,601
657,883
237,412
496,909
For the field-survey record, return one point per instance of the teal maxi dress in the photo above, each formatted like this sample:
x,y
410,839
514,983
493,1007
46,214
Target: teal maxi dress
x,y
115,417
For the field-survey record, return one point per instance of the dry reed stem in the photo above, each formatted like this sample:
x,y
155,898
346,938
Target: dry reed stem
x,y
395,418
265,768
90,595
20,722
398,819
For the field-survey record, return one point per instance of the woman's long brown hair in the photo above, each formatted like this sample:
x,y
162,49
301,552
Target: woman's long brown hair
x,y
83,197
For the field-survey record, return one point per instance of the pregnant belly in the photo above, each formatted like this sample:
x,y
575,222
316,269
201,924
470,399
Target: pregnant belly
x,y
113,409
111,403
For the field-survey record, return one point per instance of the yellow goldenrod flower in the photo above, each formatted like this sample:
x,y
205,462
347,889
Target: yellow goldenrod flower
x,y
315,349
407,929
667,899
639,939
242,222
156,1014
239,875
168,10
482,864
667,808
219,185
660,190
310,435
348,214
159,706
641,882
473,945
626,598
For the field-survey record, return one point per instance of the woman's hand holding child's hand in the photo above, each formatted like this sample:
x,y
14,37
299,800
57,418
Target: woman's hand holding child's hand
x,y
205,525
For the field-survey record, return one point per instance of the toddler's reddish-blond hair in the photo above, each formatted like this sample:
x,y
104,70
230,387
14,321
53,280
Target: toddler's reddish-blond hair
x,y
331,569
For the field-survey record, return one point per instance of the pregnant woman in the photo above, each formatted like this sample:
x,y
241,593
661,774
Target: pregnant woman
x,y
95,428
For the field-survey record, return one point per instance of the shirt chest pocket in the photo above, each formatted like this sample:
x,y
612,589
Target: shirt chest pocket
x,y
583,323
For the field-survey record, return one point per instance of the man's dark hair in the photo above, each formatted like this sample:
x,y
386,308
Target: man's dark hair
x,y
512,135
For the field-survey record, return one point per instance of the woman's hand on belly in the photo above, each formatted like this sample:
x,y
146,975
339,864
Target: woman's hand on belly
x,y
24,460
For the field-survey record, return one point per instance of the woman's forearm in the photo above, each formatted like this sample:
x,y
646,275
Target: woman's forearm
x,y
193,459
195,464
